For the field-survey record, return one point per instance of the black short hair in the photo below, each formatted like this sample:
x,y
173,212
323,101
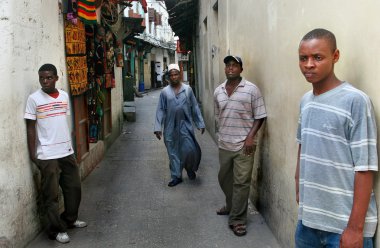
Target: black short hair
x,y
320,33
48,67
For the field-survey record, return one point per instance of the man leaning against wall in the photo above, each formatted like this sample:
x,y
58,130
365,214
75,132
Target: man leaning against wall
x,y
240,112
337,154
50,148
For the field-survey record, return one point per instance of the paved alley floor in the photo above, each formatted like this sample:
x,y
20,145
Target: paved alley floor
x,y
127,203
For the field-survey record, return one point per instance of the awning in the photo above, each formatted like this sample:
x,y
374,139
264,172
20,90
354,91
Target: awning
x,y
132,26
183,18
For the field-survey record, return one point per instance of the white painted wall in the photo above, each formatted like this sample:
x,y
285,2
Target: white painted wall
x,y
159,55
266,35
31,34
117,102
163,31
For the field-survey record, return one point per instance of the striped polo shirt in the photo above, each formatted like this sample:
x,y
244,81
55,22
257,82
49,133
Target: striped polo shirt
x,y
236,114
337,133
53,133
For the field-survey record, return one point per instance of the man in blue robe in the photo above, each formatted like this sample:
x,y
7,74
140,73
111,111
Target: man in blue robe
x,y
176,111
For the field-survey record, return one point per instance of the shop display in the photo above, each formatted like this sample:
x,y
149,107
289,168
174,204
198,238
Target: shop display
x,y
76,57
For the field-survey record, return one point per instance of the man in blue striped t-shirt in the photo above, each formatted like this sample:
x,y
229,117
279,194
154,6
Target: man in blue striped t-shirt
x,y
337,153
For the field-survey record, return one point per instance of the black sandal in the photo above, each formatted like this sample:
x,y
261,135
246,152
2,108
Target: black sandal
x,y
239,229
223,211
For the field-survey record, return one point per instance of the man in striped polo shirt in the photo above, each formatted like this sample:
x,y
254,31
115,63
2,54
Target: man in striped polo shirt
x,y
240,112
50,148
337,153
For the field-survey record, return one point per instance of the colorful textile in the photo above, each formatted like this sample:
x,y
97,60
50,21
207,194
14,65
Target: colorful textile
x,y
72,11
87,11
109,81
75,37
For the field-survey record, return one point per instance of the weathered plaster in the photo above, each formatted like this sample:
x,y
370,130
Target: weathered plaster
x,y
31,34
266,35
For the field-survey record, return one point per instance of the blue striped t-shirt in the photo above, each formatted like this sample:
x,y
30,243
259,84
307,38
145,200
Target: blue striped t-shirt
x,y
337,133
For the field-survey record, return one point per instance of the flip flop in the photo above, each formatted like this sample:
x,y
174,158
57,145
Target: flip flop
x,y
222,211
239,229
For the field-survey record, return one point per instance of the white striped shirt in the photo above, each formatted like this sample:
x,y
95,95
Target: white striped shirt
x,y
53,134
236,113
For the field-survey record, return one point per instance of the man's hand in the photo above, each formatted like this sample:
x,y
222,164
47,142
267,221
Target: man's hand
x,y
351,238
249,141
158,134
248,146
34,159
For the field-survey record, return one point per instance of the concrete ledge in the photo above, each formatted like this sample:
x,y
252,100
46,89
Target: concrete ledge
x,y
95,155
129,111
129,104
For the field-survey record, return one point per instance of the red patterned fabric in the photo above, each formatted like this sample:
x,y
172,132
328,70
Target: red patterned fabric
x,y
87,11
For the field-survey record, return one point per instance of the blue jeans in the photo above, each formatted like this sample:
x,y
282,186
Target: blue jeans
x,y
306,237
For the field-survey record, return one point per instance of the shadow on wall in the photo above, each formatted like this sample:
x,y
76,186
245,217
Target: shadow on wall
x,y
37,185
4,242
257,172
267,197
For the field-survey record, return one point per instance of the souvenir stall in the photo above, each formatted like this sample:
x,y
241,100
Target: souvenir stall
x,y
90,58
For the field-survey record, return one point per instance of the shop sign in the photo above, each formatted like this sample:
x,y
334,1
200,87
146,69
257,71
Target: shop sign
x,y
183,57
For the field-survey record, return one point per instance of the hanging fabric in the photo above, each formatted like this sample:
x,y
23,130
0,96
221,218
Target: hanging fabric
x,y
87,11
72,11
110,59
75,40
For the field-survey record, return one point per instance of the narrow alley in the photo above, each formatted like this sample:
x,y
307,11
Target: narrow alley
x,y
127,203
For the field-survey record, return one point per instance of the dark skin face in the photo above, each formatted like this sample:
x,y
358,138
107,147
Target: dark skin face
x,y
174,77
316,62
233,70
47,81
175,82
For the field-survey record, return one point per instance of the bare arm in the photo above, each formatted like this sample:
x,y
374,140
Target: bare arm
x,y
297,175
31,137
353,234
248,144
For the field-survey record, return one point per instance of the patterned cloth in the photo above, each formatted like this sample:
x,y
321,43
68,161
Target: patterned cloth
x,y
75,37
87,11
